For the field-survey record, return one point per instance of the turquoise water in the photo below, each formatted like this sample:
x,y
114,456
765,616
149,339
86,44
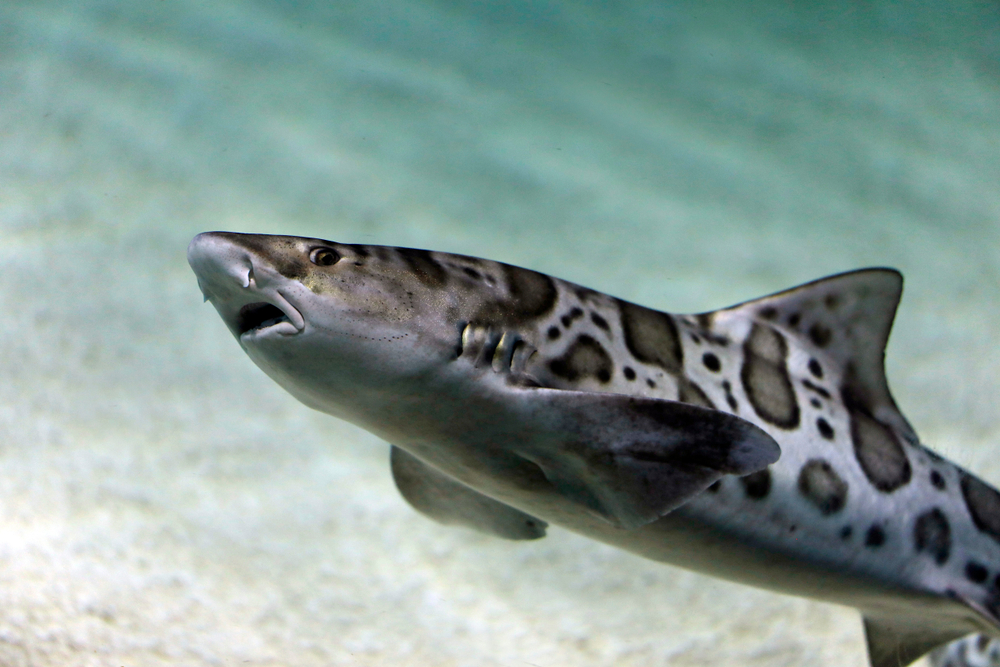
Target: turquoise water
x,y
163,502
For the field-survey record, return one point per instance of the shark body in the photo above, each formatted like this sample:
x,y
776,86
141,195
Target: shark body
x,y
513,399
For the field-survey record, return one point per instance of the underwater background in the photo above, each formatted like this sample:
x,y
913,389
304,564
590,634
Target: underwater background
x,y
162,502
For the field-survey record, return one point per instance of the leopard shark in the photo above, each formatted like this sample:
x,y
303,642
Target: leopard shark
x,y
758,443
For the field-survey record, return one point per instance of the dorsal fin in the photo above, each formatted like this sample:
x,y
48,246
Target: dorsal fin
x,y
846,318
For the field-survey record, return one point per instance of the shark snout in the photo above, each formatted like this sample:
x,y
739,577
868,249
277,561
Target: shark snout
x,y
219,263
228,276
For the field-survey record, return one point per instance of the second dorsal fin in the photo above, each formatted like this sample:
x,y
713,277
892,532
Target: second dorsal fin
x,y
846,318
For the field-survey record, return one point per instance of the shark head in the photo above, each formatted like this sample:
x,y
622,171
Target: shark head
x,y
327,320
334,322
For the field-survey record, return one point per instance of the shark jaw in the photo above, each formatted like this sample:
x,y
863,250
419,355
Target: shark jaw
x,y
267,318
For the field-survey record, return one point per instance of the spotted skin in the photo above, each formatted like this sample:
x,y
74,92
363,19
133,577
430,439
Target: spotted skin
x,y
820,484
974,651
854,498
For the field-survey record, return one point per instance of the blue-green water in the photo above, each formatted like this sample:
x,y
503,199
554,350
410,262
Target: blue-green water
x,y
164,503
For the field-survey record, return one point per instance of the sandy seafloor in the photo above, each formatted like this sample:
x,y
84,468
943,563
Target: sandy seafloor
x,y
163,503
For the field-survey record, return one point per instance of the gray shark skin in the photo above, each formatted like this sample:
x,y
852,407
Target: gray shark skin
x,y
758,443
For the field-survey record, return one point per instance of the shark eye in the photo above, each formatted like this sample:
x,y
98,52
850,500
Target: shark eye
x,y
324,256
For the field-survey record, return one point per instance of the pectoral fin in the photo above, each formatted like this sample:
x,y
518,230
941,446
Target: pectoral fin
x,y
630,460
439,497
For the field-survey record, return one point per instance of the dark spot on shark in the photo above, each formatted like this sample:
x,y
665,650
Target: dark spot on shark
x,y
976,572
553,333
765,377
983,502
585,358
794,319
877,449
820,335
574,314
651,337
824,428
815,388
703,323
530,295
846,532
820,484
937,481
695,339
424,266
711,362
875,537
815,368
629,373
768,313
730,399
932,534
689,392
831,301
650,383
599,321
815,403
472,273
757,484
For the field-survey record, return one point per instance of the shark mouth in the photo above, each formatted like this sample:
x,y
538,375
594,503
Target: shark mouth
x,y
263,316
259,316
